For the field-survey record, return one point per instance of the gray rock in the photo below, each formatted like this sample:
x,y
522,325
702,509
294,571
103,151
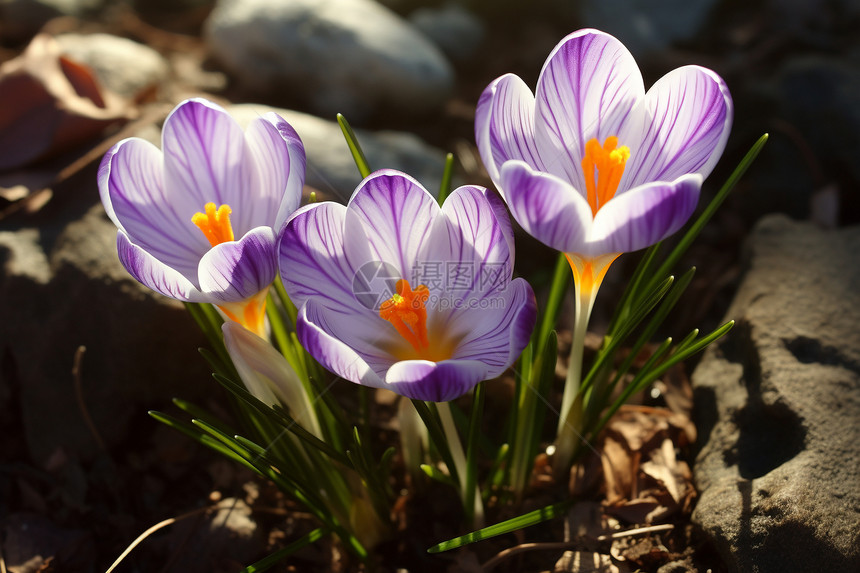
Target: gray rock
x,y
778,406
121,65
647,26
349,56
61,286
456,31
330,167
21,19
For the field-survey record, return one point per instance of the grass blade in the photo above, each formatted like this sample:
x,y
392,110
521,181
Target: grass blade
x,y
354,147
284,552
526,520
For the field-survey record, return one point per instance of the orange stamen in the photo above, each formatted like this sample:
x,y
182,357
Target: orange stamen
x,y
406,311
603,168
215,224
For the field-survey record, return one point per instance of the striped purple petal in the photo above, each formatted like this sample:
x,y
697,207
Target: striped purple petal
x,y
689,117
587,89
206,160
320,255
435,381
643,216
153,273
396,213
237,270
317,328
548,208
135,198
470,246
278,174
497,204
498,328
504,125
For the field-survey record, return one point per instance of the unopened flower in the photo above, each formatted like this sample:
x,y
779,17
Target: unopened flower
x,y
395,292
198,220
268,376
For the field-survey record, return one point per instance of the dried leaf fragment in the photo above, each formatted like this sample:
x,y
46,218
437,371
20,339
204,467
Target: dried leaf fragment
x,y
50,104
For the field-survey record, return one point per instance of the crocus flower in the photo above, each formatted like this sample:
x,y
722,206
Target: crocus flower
x,y
198,220
594,166
446,314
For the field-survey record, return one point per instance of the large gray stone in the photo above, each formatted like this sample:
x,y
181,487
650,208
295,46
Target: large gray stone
x,y
349,56
647,26
121,65
778,407
456,31
62,286
330,166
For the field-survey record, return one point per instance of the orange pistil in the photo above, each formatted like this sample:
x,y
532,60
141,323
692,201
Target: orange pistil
x,y
406,311
603,168
215,224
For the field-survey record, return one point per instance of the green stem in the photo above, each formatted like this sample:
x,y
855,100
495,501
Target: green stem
x,y
474,514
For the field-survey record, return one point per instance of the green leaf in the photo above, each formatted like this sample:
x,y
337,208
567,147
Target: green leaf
x,y
354,147
434,473
622,309
649,373
709,211
199,436
666,305
437,435
472,452
447,175
198,412
281,418
526,520
531,415
284,552
607,352
561,278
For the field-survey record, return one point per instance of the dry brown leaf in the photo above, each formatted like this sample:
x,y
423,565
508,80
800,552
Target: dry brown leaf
x,y
641,426
677,390
50,104
619,470
667,469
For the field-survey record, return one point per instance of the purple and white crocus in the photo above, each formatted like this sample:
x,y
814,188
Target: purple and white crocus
x,y
592,165
397,292
198,220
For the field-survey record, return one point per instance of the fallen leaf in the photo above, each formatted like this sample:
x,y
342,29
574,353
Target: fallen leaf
x,y
50,104
619,470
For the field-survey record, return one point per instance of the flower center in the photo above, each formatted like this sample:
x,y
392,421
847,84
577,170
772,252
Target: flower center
x,y
603,167
215,223
407,313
